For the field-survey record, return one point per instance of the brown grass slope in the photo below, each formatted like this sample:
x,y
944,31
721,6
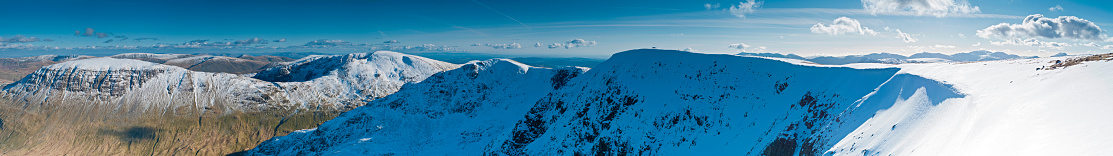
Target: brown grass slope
x,y
90,128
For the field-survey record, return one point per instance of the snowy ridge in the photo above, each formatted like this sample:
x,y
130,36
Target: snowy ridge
x,y
646,101
423,117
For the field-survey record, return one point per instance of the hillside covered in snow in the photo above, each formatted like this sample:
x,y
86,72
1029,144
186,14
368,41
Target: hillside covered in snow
x,y
661,102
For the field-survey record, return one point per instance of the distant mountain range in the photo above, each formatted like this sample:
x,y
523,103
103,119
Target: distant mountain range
x,y
890,58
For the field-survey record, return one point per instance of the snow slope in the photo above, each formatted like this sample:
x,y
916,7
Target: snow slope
x,y
647,101
461,108
1009,108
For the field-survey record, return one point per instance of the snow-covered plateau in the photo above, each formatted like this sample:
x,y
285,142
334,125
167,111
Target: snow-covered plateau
x,y
662,102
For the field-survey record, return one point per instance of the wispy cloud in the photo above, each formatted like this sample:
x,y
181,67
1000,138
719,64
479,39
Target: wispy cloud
x,y
1031,42
1055,8
503,46
710,6
500,13
937,8
573,44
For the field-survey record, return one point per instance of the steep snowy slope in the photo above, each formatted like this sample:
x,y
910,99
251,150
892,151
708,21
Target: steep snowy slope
x,y
105,106
461,108
638,102
1010,108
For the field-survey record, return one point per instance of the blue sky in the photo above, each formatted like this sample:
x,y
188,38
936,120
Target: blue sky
x,y
564,28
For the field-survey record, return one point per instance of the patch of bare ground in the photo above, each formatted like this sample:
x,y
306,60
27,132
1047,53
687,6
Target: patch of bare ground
x,y
1059,64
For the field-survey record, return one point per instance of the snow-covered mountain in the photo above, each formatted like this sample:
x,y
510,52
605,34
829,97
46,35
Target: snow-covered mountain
x,y
660,102
351,79
186,111
462,107
138,85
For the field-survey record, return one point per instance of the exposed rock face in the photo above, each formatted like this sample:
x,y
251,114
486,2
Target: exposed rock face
x,y
79,106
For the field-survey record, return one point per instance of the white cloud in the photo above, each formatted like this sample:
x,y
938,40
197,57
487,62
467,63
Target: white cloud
x,y
739,46
280,40
538,45
960,35
937,8
750,49
710,6
1055,8
689,49
1037,25
905,36
325,42
391,41
1107,47
505,46
573,44
842,25
1031,42
249,42
977,44
944,46
1091,44
743,8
